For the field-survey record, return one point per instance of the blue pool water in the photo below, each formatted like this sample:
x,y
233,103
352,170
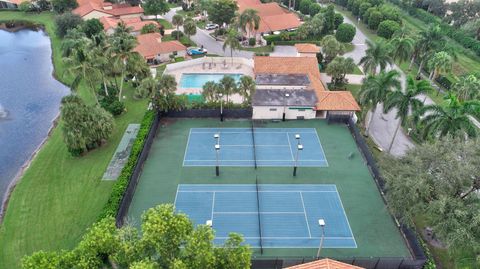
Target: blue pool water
x,y
190,81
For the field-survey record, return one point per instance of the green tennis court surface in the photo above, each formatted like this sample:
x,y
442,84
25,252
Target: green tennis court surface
x,y
374,231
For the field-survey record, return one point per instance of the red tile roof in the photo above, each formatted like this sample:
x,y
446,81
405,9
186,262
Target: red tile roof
x,y
135,23
337,101
307,48
272,16
150,45
87,6
325,264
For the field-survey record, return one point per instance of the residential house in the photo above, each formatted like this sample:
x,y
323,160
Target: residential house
x,y
89,9
151,47
307,50
290,87
135,24
324,264
272,17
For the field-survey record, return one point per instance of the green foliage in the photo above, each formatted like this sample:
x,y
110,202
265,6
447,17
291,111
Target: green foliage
x,y
155,7
331,47
168,240
222,11
374,19
304,6
92,27
338,20
314,9
345,33
339,68
378,54
65,22
329,20
387,28
149,28
25,6
84,127
61,6
110,102
441,190
189,27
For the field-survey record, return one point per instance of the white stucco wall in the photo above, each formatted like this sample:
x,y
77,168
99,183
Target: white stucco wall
x,y
276,112
95,15
165,57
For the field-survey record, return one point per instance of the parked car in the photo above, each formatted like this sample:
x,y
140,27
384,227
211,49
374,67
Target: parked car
x,y
211,26
196,51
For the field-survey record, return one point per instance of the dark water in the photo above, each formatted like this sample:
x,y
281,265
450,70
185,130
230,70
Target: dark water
x,y
29,99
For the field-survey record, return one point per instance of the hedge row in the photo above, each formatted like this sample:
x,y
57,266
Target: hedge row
x,y
456,34
121,184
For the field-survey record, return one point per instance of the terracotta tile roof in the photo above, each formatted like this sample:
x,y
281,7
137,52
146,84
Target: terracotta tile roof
x,y
87,6
307,48
149,45
325,264
272,16
135,23
337,101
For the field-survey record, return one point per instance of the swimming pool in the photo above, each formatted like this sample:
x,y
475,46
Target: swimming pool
x,y
196,81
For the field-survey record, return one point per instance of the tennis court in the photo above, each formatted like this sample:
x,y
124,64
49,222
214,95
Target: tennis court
x,y
269,215
245,146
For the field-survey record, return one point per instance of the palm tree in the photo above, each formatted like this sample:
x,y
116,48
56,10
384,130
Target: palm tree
x,y
454,119
375,88
430,41
189,27
377,55
227,86
339,68
231,41
467,87
146,88
406,102
177,20
167,84
403,47
249,20
441,62
246,87
210,91
122,45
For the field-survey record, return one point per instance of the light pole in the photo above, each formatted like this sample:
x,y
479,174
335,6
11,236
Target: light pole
x,y
220,95
297,137
285,105
217,151
209,223
217,139
321,222
299,148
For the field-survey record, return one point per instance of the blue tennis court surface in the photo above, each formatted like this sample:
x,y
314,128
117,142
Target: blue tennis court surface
x,y
273,147
289,214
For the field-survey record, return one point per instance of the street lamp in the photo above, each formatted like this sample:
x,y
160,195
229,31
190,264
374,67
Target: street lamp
x,y
297,137
285,105
299,148
209,223
220,95
217,139
217,151
321,222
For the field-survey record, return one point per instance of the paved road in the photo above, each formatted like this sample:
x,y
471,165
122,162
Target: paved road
x,y
202,37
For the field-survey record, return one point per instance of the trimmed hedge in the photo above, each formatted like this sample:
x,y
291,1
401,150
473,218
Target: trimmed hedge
x,y
113,203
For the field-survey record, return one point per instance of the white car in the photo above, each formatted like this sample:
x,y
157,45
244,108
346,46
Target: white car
x,y
211,26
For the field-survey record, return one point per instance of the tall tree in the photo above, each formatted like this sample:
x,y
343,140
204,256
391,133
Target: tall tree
x,y
331,48
246,87
377,55
61,6
467,87
227,86
122,44
452,119
430,41
231,41
222,12
210,91
189,27
406,102
339,68
402,47
155,7
249,21
65,22
177,21
440,63
375,89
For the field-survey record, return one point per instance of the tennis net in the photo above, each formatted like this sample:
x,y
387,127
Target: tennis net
x,y
253,143
259,218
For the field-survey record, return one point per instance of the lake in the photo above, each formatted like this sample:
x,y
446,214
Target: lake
x,y
29,99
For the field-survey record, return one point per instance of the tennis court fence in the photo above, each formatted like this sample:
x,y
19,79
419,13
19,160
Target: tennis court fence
x,y
236,113
132,184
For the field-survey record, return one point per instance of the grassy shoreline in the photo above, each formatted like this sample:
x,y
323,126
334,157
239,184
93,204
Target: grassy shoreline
x,y
59,196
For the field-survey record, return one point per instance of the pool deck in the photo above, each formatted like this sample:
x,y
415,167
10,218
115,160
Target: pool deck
x,y
210,65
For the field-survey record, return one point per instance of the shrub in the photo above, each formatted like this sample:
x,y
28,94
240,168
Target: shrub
x,y
65,22
252,41
25,6
387,28
314,9
110,103
220,31
305,6
444,82
175,33
61,6
374,19
149,28
345,33
338,19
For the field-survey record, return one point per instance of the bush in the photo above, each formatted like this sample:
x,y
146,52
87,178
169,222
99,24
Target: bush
x,y
65,22
314,9
220,31
305,6
110,103
374,19
345,33
61,6
444,82
252,41
176,33
338,20
25,6
387,28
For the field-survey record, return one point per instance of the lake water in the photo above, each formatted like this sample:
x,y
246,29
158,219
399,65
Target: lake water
x,y
29,99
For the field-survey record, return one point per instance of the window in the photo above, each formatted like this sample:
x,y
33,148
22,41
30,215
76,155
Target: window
x,y
273,109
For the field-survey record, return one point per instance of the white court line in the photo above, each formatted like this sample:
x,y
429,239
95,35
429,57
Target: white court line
x,y
305,213
176,194
287,237
253,160
255,145
188,142
227,191
269,185
267,213
290,145
213,206
321,147
345,215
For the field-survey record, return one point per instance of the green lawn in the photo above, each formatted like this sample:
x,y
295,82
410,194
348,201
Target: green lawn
x,y
166,24
264,49
373,228
184,40
59,196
